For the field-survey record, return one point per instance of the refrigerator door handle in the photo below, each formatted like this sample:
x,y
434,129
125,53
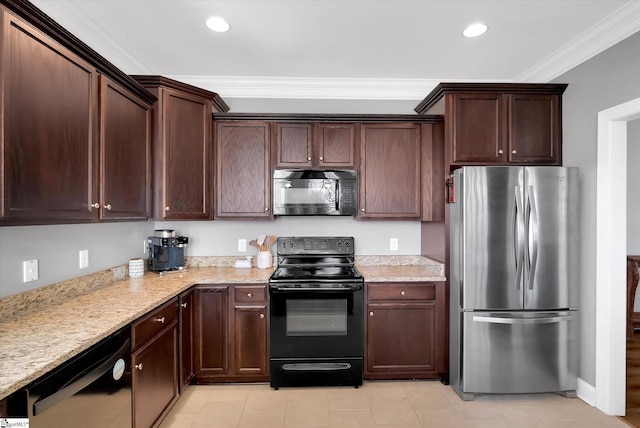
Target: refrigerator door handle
x,y
532,233
500,320
518,236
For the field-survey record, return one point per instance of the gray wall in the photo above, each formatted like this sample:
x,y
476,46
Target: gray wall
x,y
56,248
606,80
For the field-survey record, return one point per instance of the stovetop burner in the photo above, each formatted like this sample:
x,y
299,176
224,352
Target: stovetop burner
x,y
315,259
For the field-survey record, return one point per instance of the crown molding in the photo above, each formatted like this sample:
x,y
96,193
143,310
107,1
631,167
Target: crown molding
x,y
93,34
315,88
614,28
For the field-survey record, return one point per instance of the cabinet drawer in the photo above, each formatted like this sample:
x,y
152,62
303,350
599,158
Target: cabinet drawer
x,y
404,291
250,293
151,324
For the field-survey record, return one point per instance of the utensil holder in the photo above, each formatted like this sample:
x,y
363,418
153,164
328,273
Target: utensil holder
x,y
264,260
136,268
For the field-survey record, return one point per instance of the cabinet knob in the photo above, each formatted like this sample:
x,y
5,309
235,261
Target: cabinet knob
x,y
160,320
500,151
514,151
139,366
261,316
167,209
95,205
309,159
184,305
402,293
266,209
371,313
108,206
362,210
249,295
321,158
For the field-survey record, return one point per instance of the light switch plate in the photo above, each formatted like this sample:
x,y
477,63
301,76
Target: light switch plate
x,y
83,259
242,245
393,244
30,270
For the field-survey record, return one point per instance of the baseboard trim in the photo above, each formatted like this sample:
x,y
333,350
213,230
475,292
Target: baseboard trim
x,y
586,392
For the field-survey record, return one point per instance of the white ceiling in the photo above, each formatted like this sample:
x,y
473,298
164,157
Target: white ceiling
x,y
393,49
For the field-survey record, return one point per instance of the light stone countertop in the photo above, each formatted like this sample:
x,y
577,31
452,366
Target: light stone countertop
x,y
33,343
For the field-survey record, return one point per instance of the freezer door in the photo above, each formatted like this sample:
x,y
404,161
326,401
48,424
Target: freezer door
x,y
489,254
551,224
524,352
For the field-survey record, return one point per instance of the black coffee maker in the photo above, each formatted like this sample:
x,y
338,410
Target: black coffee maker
x,y
166,250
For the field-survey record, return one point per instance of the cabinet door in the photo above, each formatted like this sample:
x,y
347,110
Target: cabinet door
x,y
186,339
335,145
475,132
243,174
155,378
211,327
49,128
401,339
250,336
185,171
534,128
125,154
390,171
294,145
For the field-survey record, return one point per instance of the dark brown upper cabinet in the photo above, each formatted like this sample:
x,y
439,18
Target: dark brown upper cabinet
x,y
499,124
125,154
243,172
50,127
390,171
182,141
75,130
309,145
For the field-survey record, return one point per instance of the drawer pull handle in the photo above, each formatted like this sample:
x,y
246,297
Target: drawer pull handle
x,y
371,313
139,366
160,320
184,305
402,293
261,316
249,295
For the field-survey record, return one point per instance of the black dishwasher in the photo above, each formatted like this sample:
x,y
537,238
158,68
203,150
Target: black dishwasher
x,y
93,389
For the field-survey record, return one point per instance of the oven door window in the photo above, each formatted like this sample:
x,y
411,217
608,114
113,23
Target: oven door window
x,y
316,317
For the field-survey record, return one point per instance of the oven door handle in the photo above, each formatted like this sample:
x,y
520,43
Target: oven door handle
x,y
286,288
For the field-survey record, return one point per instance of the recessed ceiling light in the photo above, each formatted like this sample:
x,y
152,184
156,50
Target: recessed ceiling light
x,y
217,24
475,30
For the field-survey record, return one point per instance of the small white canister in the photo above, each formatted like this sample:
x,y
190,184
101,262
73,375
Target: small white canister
x,y
264,260
136,268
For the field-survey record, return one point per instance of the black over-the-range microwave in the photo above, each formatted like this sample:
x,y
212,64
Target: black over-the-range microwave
x,y
315,192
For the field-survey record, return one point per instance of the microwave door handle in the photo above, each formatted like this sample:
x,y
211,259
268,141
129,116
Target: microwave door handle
x,y
337,196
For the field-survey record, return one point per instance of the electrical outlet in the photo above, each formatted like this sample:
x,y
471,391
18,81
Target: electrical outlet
x,y
144,246
242,245
393,244
83,259
30,270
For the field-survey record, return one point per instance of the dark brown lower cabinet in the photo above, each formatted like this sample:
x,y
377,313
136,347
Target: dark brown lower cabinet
x,y
405,331
154,363
186,338
230,332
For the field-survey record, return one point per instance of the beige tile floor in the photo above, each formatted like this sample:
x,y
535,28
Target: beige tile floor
x,y
410,404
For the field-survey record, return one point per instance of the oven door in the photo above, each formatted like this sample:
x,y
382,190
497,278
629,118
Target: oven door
x,y
316,320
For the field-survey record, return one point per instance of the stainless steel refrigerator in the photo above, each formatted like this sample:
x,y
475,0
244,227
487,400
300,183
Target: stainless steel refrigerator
x,y
514,280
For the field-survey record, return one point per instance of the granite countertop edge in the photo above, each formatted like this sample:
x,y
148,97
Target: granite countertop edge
x,y
61,331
